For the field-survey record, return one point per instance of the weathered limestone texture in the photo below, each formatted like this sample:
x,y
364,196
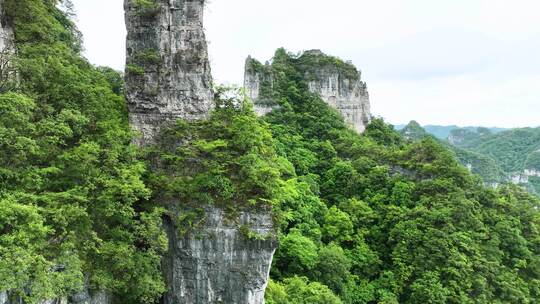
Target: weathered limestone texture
x,y
4,298
88,297
84,297
6,31
217,262
168,72
339,84
523,177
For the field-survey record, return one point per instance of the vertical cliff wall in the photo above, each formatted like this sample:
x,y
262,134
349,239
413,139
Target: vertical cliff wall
x,y
338,83
6,31
216,262
168,73
168,77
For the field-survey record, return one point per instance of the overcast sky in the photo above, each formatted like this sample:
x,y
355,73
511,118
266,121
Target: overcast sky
x,y
464,62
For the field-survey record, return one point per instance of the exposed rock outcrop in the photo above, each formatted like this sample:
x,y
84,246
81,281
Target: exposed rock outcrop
x,y
6,30
338,83
168,77
88,297
168,72
8,74
83,297
523,177
223,259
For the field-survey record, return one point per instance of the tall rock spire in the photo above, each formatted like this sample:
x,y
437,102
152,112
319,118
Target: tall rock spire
x,y
168,72
168,77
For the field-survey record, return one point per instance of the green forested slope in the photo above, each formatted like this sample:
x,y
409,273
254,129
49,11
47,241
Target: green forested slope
x,y
514,149
499,157
388,221
478,163
72,198
362,219
442,132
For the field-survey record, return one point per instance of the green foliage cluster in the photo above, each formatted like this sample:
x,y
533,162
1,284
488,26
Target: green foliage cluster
x,y
380,219
362,219
533,160
146,8
313,61
413,131
299,290
133,69
534,182
228,160
466,143
148,57
73,204
482,165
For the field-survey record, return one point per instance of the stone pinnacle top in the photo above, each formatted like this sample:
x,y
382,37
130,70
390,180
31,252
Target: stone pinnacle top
x,y
167,70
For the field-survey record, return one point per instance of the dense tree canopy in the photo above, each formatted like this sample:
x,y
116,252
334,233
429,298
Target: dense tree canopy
x,y
73,205
498,156
372,218
401,221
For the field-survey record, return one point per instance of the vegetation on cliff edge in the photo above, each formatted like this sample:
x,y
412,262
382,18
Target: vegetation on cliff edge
x,y
362,219
386,220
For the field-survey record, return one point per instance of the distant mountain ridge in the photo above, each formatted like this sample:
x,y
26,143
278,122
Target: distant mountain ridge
x,y
442,132
498,155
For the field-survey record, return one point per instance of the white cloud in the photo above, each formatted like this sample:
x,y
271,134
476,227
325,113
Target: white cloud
x,y
466,62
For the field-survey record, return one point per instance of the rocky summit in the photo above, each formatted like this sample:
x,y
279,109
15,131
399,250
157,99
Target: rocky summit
x,y
168,72
337,82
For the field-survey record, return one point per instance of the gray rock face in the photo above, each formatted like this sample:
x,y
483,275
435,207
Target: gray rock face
x,y
523,177
217,262
6,31
88,297
4,298
84,297
168,72
339,87
168,77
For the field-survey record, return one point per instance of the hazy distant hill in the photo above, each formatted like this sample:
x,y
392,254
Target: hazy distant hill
x,y
442,132
498,155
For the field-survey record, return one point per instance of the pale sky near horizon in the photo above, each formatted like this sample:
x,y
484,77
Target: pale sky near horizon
x,y
464,62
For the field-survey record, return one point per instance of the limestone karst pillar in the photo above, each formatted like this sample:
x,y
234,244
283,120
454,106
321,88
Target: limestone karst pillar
x,y
167,69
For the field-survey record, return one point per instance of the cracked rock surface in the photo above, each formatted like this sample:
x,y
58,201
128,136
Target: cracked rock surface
x,y
168,73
